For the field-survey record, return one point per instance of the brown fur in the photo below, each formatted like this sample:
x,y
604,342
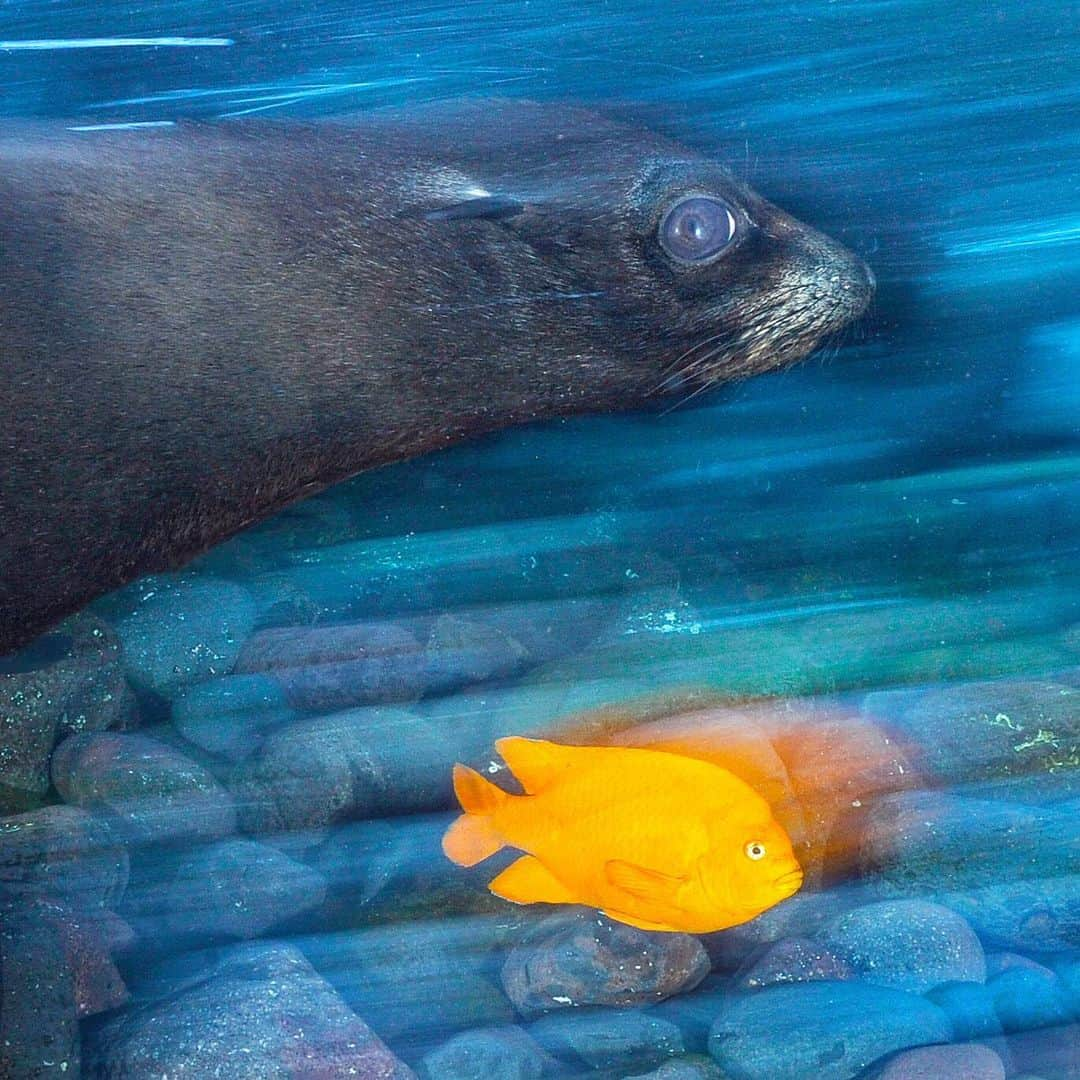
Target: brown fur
x,y
199,325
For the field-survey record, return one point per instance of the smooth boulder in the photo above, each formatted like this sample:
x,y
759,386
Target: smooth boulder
x,y
829,1030
583,958
259,1013
148,791
907,944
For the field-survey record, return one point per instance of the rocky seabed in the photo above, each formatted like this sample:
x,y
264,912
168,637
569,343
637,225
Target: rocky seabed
x,y
220,858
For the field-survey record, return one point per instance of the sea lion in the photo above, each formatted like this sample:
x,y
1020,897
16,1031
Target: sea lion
x,y
201,324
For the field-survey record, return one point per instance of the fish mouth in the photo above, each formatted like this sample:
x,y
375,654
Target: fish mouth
x,y
789,882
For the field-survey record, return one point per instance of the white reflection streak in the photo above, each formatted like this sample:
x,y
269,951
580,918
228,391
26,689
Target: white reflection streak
x,y
112,43
124,126
291,95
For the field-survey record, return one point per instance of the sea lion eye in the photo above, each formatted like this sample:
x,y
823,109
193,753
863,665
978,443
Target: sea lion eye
x,y
755,850
696,229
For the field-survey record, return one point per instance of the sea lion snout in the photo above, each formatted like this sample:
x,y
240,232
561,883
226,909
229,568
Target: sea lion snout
x,y
768,299
814,275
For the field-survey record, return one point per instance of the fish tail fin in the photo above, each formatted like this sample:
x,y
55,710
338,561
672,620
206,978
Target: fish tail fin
x,y
473,837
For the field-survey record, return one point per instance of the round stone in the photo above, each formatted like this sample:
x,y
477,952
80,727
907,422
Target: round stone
x,y
907,944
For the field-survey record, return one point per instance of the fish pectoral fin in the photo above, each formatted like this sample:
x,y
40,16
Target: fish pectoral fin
x,y
650,886
529,881
535,762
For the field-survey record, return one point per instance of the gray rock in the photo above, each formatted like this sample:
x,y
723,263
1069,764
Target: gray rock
x,y
1053,1052
64,853
355,764
830,1030
476,644
259,1013
972,1062
691,1067
229,717
1025,999
86,944
65,682
609,1039
970,1009
802,916
394,869
1067,969
997,962
228,890
39,1029
325,668
328,668
583,958
55,969
693,1014
926,841
149,791
907,944
373,576
464,649
1041,915
972,731
792,960
418,983
183,629
488,1054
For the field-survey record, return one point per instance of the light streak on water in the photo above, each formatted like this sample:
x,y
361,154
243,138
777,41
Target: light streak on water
x,y
124,127
291,95
48,44
1067,232
668,623
261,96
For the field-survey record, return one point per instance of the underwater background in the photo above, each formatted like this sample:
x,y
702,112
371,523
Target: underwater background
x,y
225,788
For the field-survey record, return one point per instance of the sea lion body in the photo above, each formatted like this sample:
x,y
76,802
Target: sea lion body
x,y
201,324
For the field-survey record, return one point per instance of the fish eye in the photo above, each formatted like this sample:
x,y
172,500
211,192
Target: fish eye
x,y
755,850
696,228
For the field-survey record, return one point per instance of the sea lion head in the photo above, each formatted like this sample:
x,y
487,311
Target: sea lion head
x,y
671,272
241,314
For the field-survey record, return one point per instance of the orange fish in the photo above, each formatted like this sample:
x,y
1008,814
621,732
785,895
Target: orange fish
x,y
653,839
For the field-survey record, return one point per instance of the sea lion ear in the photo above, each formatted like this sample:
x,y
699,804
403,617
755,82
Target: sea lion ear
x,y
486,207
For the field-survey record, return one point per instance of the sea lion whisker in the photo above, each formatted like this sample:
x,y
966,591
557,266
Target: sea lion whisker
x,y
693,348
689,370
689,397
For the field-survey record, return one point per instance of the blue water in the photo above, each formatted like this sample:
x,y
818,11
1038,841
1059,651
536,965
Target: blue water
x,y
901,513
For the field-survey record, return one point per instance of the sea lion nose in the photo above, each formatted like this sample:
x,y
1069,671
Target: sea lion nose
x,y
856,282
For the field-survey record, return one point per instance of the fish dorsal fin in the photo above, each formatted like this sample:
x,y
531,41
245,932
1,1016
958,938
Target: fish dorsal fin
x,y
651,886
535,762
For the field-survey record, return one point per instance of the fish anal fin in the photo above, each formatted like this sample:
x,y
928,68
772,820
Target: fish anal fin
x,y
535,762
641,924
650,886
528,881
